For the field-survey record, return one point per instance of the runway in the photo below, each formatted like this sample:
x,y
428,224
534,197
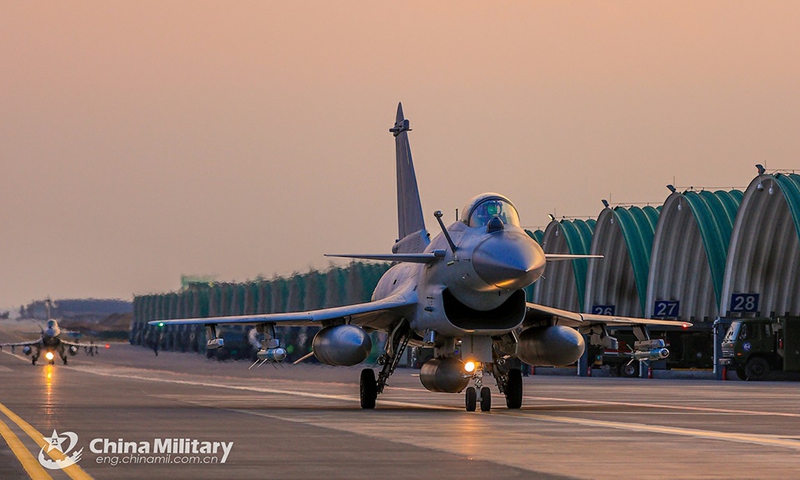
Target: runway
x,y
305,422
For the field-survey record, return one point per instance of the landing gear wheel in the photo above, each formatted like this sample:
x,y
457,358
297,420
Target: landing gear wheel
x,y
52,362
629,370
741,373
368,389
33,361
471,399
757,369
486,399
514,389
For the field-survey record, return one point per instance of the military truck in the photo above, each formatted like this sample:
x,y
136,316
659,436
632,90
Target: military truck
x,y
756,346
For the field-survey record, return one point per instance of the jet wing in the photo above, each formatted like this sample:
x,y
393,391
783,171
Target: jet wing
x,y
554,257
538,313
87,345
379,314
393,257
22,344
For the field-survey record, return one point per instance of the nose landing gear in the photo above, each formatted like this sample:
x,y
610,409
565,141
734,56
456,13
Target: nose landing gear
x,y
509,384
472,398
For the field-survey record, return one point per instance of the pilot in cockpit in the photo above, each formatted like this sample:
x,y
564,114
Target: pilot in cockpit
x,y
481,210
488,210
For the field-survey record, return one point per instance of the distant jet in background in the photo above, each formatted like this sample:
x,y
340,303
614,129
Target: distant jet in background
x,y
50,343
460,293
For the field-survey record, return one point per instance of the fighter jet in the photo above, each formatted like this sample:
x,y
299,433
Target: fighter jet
x,y
50,343
460,292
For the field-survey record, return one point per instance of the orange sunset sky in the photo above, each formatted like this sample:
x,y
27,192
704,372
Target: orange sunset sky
x,y
144,140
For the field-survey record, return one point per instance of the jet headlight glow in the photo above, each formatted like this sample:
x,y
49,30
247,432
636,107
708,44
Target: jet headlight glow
x,y
49,355
469,367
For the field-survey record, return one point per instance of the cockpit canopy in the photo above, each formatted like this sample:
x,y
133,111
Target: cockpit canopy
x,y
484,207
51,323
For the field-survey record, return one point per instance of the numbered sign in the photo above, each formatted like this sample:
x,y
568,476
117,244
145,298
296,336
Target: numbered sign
x,y
604,309
667,308
744,302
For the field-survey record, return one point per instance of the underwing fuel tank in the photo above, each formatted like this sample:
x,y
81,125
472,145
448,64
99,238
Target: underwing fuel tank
x,y
444,375
555,345
342,345
73,350
26,350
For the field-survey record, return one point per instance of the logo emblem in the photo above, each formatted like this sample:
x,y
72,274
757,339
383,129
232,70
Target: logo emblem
x,y
747,346
56,442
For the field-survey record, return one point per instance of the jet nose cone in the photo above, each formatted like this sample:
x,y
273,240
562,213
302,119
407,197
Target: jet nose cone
x,y
508,260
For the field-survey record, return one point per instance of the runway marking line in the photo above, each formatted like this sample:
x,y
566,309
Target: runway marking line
x,y
74,471
769,440
669,407
29,463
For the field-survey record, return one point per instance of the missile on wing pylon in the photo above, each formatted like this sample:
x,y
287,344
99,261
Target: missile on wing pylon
x,y
272,354
653,349
654,354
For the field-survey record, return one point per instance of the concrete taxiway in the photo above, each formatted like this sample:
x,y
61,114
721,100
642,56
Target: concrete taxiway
x,y
305,422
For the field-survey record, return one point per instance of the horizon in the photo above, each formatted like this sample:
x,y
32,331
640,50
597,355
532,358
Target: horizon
x,y
141,142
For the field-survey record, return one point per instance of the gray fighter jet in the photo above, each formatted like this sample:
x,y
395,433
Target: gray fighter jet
x,y
51,344
460,293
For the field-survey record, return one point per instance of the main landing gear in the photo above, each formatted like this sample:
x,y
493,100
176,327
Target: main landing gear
x,y
369,387
513,389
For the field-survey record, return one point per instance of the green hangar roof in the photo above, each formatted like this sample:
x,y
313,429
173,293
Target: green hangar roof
x,y
564,282
763,264
690,248
618,282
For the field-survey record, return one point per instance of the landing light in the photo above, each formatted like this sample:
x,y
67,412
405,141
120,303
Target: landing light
x,y
469,367
49,355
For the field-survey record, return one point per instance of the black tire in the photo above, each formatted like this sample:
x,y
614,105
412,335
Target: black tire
x,y
629,370
741,373
486,399
471,399
368,389
65,360
757,369
514,389
33,361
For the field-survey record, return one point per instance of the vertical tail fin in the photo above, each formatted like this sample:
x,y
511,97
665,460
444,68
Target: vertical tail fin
x,y
412,236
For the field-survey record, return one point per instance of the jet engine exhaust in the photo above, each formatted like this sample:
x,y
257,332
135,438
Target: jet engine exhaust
x,y
555,345
342,345
444,375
